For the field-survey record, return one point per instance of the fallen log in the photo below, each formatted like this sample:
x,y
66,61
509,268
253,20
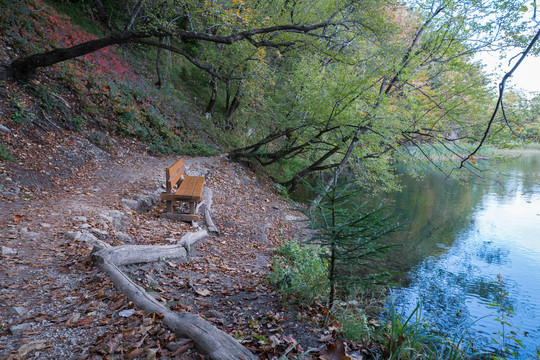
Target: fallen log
x,y
206,208
214,343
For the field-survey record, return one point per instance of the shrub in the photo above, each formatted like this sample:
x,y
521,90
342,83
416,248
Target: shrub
x,y
299,270
5,153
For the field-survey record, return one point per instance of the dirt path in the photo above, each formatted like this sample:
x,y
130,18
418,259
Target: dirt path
x,y
56,305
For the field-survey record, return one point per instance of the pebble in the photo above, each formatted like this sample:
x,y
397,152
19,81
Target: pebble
x,y
127,313
99,231
6,251
19,329
29,234
4,129
79,219
85,226
17,311
123,237
45,225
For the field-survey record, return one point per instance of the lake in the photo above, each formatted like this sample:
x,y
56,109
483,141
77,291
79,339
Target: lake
x,y
466,246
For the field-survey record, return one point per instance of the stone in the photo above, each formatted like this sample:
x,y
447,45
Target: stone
x,y
198,170
31,235
17,311
176,344
9,194
106,218
215,314
45,225
291,218
99,232
85,236
19,329
130,204
4,129
79,219
149,201
85,226
123,237
127,313
7,251
119,220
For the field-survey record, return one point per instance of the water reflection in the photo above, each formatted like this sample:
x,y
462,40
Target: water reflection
x,y
459,240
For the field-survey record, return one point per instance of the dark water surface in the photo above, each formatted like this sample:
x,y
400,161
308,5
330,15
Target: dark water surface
x,y
465,246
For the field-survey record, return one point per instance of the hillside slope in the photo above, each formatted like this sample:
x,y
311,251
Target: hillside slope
x,y
61,306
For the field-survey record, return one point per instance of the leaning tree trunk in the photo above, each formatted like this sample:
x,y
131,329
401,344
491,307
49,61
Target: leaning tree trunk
x,y
25,66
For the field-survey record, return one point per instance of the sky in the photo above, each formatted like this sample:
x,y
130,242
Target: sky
x,y
525,78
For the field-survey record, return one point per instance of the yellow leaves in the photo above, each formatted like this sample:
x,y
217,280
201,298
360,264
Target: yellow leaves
x,y
472,160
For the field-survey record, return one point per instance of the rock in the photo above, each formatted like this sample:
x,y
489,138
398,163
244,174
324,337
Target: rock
x,y
79,219
177,344
4,129
29,347
85,236
31,235
171,240
7,251
9,194
123,237
17,311
99,232
198,170
102,223
127,313
106,218
130,204
85,226
45,225
19,329
119,220
291,218
74,234
215,314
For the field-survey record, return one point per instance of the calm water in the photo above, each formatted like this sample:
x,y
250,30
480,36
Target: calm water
x,y
465,246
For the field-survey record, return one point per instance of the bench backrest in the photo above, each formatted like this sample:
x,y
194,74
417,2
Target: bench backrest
x,y
173,175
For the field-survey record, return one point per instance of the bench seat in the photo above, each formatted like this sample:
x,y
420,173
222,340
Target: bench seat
x,y
180,187
190,190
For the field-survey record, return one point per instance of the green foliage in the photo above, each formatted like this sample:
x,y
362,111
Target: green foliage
x,y
351,234
21,113
299,270
506,338
104,83
5,153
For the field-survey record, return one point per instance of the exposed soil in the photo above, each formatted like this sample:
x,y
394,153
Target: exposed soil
x,y
57,305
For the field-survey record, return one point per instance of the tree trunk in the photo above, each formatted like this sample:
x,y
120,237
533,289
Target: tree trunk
x,y
158,72
235,104
216,344
25,66
100,12
134,15
213,96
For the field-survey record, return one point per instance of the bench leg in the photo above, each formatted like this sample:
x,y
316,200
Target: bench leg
x,y
192,208
169,207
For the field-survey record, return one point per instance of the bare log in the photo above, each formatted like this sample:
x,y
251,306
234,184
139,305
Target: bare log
x,y
211,341
206,208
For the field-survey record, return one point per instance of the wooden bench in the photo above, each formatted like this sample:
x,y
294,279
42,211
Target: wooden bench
x,y
180,187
